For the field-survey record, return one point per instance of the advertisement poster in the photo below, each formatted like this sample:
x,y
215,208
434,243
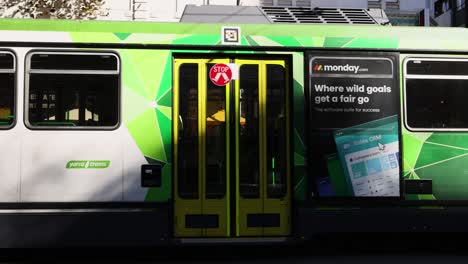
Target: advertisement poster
x,y
353,125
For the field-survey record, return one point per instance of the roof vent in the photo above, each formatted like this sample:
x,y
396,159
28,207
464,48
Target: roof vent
x,y
304,15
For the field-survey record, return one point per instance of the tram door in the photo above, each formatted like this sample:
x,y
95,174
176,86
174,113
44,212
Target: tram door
x,y
231,150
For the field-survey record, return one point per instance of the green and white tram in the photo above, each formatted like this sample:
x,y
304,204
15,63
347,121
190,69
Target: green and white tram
x,y
119,133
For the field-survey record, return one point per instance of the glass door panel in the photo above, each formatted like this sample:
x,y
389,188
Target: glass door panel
x,y
277,200
215,142
248,122
187,147
248,145
215,151
262,148
186,137
201,168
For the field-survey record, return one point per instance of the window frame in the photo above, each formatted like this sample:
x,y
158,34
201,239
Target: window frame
x,y
15,87
29,71
407,76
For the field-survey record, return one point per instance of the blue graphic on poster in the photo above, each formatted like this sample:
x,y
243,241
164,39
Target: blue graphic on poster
x,y
369,155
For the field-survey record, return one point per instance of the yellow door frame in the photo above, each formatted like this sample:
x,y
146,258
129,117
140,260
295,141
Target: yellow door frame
x,y
183,207
281,205
201,205
263,204
246,206
221,207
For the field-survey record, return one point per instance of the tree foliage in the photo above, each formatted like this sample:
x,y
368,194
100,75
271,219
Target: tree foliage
x,y
52,9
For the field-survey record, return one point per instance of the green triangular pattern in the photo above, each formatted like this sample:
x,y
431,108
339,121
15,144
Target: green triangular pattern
x,y
166,100
250,41
130,76
285,41
166,81
455,139
449,181
411,149
305,41
373,42
264,41
298,75
134,103
122,36
336,42
151,38
167,111
431,153
165,126
150,66
198,39
421,136
244,41
146,133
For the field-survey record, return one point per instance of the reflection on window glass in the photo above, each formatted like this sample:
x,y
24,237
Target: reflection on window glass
x,y
7,99
71,100
215,139
436,104
187,151
276,131
249,132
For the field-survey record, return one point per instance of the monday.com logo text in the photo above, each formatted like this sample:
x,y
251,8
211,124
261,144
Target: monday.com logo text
x,y
339,68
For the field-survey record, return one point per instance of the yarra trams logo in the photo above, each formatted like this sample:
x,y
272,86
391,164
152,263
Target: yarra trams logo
x,y
339,68
87,164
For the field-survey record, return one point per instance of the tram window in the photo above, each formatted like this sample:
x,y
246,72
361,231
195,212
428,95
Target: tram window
x,y
421,67
276,131
187,148
248,132
86,62
215,139
433,102
7,90
77,95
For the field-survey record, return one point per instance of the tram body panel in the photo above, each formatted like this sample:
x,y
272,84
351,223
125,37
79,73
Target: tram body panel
x,y
69,167
10,166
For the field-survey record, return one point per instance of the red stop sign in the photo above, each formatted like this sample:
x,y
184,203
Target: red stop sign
x,y
220,74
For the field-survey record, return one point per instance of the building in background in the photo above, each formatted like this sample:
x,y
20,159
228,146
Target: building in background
x,y
398,12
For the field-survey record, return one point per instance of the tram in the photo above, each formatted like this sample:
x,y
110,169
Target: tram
x,y
118,133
